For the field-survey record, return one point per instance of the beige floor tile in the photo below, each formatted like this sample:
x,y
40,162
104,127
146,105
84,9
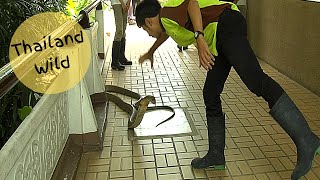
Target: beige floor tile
x,y
169,177
126,163
102,168
180,147
90,176
139,174
216,173
274,176
115,164
184,162
121,154
171,159
151,174
164,151
187,172
161,161
124,178
263,169
102,175
168,170
121,148
243,167
121,174
144,165
234,169
98,162
199,173
163,145
106,152
247,177
143,159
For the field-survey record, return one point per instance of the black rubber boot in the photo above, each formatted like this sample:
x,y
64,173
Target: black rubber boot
x,y
216,137
292,121
115,64
123,60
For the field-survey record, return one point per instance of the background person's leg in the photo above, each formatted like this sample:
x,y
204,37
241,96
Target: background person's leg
x,y
134,4
233,43
131,19
122,58
118,17
215,118
124,23
115,64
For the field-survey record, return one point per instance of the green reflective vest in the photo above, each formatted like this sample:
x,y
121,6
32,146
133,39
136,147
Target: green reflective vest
x,y
177,24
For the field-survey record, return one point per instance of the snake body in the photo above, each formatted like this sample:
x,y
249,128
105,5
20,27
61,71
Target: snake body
x,y
137,110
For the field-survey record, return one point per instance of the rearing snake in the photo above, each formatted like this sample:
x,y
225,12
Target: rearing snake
x,y
137,110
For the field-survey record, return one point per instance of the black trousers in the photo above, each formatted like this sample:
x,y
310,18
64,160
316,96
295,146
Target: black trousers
x,y
235,51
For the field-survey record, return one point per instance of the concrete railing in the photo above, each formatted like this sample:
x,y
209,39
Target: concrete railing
x,y
33,151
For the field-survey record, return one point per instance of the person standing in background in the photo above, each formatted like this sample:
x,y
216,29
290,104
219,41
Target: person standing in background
x,y
120,8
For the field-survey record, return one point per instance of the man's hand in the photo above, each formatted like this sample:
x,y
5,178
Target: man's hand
x,y
206,59
145,57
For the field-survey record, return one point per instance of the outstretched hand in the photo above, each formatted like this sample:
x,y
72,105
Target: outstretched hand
x,y
145,57
206,59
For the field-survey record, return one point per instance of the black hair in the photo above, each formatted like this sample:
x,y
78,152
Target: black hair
x,y
146,9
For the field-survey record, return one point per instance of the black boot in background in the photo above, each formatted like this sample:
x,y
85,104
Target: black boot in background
x,y
122,58
115,64
293,122
216,137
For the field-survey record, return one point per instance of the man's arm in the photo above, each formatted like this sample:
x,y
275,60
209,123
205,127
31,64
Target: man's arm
x,y
205,56
149,54
158,42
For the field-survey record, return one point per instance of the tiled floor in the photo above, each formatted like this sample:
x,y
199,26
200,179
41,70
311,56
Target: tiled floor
x,y
256,147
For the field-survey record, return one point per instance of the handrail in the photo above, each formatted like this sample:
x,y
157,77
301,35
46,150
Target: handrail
x,y
7,77
93,5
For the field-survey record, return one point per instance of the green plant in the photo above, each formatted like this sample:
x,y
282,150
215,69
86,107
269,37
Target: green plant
x,y
12,14
26,110
17,98
75,6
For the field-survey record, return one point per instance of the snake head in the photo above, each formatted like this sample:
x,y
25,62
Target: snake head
x,y
151,99
144,102
139,109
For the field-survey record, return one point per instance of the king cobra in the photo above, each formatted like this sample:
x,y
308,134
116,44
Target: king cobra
x,y
136,110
